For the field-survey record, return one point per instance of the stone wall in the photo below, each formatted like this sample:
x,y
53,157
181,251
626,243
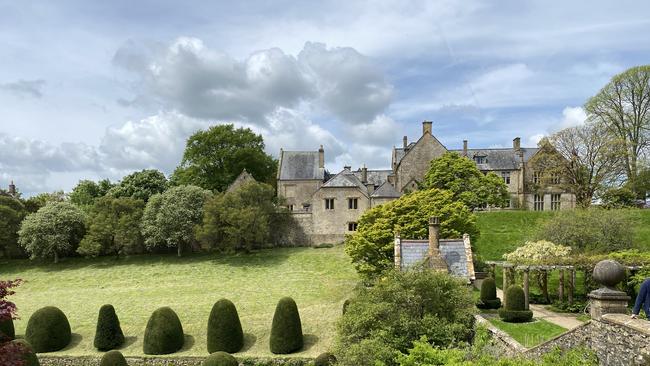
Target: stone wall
x,y
171,361
331,226
415,164
298,192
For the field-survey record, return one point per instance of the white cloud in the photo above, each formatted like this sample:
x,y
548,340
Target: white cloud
x,y
571,117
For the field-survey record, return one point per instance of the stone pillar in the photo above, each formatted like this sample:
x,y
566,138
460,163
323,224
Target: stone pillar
x,y
572,284
607,299
493,270
321,157
560,286
398,251
526,288
505,284
435,259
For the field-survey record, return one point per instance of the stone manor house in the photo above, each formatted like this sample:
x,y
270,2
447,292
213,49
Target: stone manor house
x,y
328,206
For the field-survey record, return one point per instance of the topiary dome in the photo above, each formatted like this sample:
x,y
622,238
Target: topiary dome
x,y
224,328
48,330
286,330
515,309
113,358
164,333
220,359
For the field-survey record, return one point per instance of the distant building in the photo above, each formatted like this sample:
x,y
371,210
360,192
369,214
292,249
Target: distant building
x,y
243,178
328,207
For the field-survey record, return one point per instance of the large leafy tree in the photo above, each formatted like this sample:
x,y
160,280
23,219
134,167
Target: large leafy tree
x,y
242,219
35,203
460,176
86,191
623,106
113,227
170,218
371,246
215,157
12,213
140,185
52,231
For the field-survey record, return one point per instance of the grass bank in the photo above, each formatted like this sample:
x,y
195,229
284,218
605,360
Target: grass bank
x,y
529,334
318,279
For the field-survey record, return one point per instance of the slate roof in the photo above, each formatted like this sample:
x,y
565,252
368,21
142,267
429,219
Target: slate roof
x,y
376,177
400,152
242,179
296,165
345,179
452,251
499,159
386,190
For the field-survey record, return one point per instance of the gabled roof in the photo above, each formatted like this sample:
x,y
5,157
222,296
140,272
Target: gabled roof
x,y
386,190
242,179
400,153
375,177
297,165
345,179
500,159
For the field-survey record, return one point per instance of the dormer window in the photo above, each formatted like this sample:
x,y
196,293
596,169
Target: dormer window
x,y
480,159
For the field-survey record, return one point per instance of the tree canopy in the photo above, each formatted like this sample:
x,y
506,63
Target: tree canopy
x,y
460,176
86,191
215,157
12,213
140,185
170,218
52,231
371,246
113,227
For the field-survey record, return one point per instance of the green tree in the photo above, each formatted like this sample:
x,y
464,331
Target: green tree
x,y
113,227
240,219
401,308
460,176
215,157
140,185
86,191
618,198
371,246
623,106
35,203
170,218
52,231
12,213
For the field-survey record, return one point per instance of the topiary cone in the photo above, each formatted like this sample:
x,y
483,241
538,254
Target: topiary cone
x,y
164,333
220,359
48,330
29,356
7,331
109,334
489,299
224,328
515,310
113,358
286,330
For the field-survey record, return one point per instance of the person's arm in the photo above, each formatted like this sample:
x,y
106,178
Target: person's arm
x,y
643,292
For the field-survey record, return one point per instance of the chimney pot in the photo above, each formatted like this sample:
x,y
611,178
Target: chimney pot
x,y
516,143
347,167
464,147
321,157
405,141
364,175
427,128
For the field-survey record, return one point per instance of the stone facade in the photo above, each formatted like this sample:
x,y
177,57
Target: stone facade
x,y
306,186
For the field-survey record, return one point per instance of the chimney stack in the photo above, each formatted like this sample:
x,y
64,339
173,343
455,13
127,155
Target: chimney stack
x,y
405,141
427,128
347,167
516,143
435,259
321,157
465,148
364,174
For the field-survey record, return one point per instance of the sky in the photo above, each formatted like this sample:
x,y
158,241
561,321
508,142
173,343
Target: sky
x,y
99,89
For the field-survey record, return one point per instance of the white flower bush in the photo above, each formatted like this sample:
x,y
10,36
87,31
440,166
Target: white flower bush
x,y
537,252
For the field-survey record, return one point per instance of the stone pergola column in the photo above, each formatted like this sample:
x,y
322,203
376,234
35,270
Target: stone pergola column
x,y
493,270
572,284
398,251
560,287
526,271
506,269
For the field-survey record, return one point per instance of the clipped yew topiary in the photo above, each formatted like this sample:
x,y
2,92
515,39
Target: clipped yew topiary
x,y
48,330
489,299
325,359
113,358
7,331
109,334
29,356
224,328
220,359
515,309
164,333
286,330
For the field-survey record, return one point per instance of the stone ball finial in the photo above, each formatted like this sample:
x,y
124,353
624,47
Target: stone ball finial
x,y
609,273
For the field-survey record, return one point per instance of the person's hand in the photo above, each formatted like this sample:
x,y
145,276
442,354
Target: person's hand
x,y
634,316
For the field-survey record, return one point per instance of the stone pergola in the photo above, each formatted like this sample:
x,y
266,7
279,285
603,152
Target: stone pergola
x,y
566,283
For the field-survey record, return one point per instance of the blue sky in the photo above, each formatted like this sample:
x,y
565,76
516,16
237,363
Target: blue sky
x,y
90,90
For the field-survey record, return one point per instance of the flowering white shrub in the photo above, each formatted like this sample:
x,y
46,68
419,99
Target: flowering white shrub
x,y
537,252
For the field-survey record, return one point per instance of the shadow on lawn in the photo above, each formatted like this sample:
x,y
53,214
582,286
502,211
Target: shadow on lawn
x,y
188,343
258,258
75,339
309,340
128,341
249,342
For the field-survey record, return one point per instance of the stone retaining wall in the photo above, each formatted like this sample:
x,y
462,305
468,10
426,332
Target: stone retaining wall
x,y
169,361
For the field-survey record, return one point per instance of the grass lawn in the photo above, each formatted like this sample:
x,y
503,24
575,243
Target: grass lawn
x,y
529,334
318,279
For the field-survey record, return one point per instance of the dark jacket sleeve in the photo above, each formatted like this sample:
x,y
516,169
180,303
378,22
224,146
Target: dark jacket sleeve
x,y
640,299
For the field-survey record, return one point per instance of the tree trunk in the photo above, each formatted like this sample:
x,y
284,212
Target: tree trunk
x,y
56,257
180,249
